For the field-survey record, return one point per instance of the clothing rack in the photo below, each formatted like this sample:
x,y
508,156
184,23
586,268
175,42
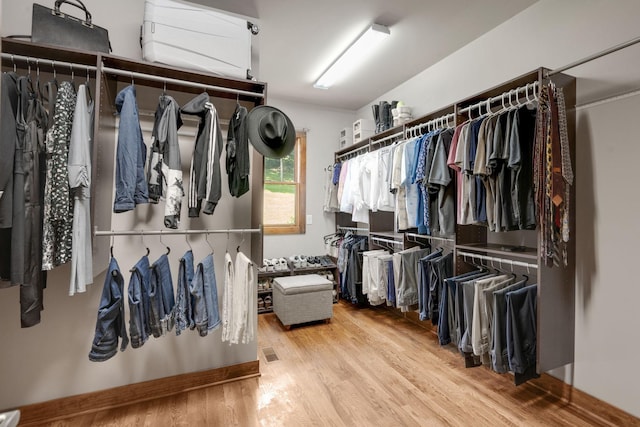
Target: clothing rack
x,y
438,121
505,96
52,63
173,232
491,259
149,77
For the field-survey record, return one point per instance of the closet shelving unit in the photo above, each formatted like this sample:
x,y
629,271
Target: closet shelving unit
x,y
292,271
108,74
520,249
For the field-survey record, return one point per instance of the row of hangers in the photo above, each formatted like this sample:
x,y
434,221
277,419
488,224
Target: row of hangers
x,y
206,237
509,100
54,81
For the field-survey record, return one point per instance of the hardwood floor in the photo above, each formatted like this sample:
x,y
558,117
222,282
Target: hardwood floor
x,y
367,367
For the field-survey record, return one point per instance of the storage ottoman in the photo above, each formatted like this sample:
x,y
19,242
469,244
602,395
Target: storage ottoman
x,y
301,299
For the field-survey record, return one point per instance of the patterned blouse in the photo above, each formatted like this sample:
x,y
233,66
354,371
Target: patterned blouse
x,y
58,208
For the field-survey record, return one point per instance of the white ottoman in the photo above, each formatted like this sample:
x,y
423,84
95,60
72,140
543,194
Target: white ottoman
x,y
301,299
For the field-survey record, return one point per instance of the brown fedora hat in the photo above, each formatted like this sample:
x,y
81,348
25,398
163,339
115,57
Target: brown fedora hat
x,y
271,131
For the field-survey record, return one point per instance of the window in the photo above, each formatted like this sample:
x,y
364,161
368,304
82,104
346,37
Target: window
x,y
284,191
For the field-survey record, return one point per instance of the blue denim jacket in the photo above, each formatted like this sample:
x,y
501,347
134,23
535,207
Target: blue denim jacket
x,y
111,321
131,155
161,299
183,312
139,329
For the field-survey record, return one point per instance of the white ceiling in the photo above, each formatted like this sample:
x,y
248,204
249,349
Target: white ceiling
x,y
298,39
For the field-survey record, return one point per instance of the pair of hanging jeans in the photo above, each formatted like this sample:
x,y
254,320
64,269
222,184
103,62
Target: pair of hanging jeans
x,y
183,313
110,324
206,314
139,303
161,299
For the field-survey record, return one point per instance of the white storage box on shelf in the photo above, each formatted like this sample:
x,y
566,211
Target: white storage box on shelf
x,y
346,137
182,35
363,129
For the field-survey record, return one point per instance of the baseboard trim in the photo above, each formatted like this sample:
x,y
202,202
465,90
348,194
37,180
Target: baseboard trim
x,y
567,393
57,409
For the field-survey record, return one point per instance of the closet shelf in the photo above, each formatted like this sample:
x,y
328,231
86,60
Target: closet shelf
x,y
506,251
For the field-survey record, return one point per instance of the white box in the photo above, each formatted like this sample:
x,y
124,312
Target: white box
x,y
346,137
183,35
363,129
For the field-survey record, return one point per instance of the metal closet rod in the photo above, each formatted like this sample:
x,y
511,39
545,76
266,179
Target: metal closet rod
x,y
51,62
381,239
355,151
174,232
485,103
386,138
590,58
498,260
424,236
150,77
352,228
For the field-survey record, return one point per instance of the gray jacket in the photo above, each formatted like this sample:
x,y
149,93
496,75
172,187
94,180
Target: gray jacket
x,y
165,166
204,174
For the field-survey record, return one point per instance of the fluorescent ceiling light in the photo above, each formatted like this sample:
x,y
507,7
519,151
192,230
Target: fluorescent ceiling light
x,y
353,56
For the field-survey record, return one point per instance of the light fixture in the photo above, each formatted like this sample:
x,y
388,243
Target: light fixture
x,y
354,55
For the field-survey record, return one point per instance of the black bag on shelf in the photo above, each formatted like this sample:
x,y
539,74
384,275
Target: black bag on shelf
x,y
50,26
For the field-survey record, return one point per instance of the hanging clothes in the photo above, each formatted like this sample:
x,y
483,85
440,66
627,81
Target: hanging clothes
x,y
240,301
131,155
204,294
80,148
553,175
161,299
110,322
165,165
21,241
330,191
521,333
238,166
8,142
183,310
139,328
58,209
204,173
442,186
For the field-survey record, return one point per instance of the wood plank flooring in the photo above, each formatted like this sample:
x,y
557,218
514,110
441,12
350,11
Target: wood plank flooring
x,y
367,367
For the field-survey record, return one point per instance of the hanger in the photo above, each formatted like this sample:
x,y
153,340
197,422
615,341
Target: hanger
x,y
206,238
88,86
143,243
73,82
227,245
164,244
187,241
241,242
111,240
15,69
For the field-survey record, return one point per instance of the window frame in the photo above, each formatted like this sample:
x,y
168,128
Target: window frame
x,y
300,175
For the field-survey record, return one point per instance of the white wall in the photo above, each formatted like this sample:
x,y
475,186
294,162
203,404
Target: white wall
x,y
323,127
553,33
